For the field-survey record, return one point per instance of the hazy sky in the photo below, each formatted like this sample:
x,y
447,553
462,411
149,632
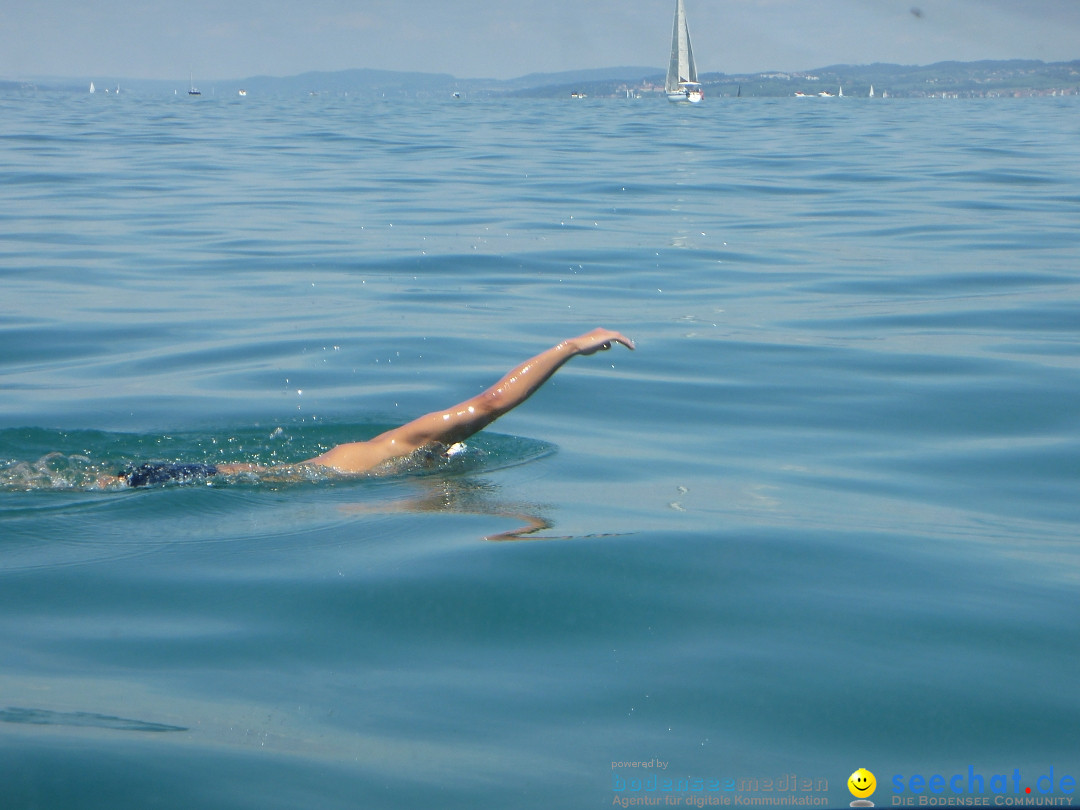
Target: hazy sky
x,y
225,39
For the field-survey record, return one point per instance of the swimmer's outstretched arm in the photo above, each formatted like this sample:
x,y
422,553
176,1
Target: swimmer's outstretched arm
x,y
466,418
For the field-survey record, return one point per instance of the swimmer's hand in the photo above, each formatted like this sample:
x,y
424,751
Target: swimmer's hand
x,y
599,340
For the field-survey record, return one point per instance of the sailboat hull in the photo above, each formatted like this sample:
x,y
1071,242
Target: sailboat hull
x,y
687,95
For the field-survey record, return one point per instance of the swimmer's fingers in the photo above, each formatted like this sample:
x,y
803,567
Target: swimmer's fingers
x,y
600,340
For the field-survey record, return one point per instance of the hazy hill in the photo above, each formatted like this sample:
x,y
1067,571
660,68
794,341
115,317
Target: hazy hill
x,y
954,79
356,82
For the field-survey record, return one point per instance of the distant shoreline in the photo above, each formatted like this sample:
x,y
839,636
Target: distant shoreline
x,y
983,79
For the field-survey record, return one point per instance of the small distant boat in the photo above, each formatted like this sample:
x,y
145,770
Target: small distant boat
x,y
194,91
825,94
682,80
841,93
871,91
243,92
92,89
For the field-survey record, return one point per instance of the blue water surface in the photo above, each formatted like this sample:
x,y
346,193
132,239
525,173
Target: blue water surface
x,y
825,517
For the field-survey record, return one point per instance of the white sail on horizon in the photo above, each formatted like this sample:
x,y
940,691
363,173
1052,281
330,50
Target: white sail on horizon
x,y
682,70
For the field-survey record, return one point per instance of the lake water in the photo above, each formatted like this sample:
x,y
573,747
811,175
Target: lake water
x,y
825,517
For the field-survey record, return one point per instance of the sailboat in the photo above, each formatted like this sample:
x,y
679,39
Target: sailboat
x,y
92,89
682,83
194,91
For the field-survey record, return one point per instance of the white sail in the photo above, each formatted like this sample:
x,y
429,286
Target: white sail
x,y
92,90
682,80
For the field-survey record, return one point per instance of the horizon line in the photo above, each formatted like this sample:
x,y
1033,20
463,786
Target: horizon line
x,y
657,70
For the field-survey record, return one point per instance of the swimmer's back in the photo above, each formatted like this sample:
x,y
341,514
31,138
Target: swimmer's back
x,y
165,472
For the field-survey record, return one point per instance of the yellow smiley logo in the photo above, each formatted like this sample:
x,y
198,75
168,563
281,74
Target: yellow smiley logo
x,y
862,783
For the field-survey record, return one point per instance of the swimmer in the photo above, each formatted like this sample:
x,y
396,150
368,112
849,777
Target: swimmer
x,y
447,428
